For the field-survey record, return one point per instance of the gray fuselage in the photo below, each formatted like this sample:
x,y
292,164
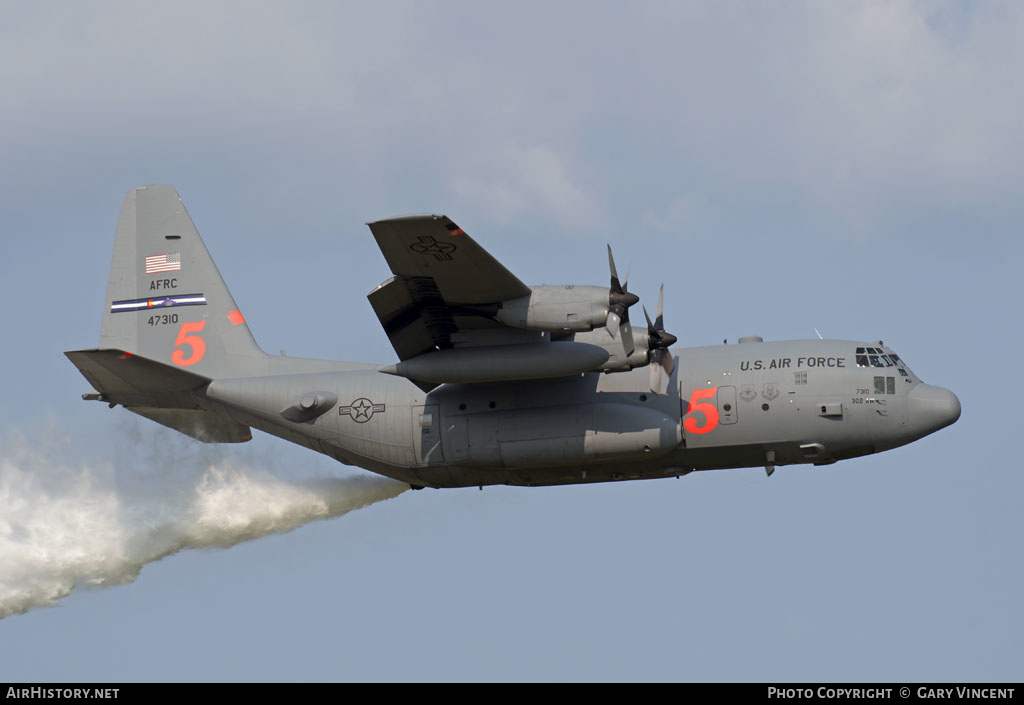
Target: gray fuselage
x,y
741,405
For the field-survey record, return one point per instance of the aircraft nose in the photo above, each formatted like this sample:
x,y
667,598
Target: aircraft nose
x,y
931,408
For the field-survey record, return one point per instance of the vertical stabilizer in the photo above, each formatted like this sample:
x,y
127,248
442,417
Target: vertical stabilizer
x,y
166,301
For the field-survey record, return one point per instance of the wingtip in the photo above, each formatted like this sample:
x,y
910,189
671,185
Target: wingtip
x,y
409,217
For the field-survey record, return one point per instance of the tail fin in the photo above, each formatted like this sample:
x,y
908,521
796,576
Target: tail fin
x,y
166,301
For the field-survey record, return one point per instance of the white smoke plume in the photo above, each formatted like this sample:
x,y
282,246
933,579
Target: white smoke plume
x,y
99,521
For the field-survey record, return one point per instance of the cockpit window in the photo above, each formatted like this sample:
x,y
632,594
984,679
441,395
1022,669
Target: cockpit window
x,y
876,357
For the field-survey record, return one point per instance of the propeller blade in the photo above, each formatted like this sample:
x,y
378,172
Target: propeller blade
x,y
628,344
659,380
619,301
668,363
658,341
616,287
659,322
661,366
612,324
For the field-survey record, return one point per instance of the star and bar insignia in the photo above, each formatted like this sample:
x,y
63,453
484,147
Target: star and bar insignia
x,y
361,410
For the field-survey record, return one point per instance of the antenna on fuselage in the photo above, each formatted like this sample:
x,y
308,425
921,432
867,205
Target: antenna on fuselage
x,y
819,334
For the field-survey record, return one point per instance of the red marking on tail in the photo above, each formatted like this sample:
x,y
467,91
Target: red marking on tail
x,y
236,317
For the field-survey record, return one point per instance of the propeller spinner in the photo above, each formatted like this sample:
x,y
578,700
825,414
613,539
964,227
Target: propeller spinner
x,y
658,342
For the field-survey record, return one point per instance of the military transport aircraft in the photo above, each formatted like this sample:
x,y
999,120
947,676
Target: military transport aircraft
x,y
497,382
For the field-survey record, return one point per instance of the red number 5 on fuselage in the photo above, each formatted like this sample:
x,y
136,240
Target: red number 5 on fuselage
x,y
709,410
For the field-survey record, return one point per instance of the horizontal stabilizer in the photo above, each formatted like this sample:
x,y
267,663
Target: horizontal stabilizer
x,y
156,391
132,380
205,426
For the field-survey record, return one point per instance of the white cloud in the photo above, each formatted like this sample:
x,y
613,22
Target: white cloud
x,y
530,183
860,113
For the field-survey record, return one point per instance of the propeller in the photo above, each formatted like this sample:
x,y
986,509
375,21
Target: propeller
x,y
658,342
619,301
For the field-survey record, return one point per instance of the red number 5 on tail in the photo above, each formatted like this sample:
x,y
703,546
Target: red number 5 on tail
x,y
198,345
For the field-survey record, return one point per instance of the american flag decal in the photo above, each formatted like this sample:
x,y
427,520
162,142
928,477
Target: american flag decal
x,y
163,263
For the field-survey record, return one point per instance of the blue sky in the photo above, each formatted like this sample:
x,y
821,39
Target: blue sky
x,y
850,167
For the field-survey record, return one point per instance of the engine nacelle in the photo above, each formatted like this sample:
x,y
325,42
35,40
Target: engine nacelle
x,y
557,308
617,360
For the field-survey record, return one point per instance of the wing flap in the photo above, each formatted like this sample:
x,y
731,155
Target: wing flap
x,y
400,317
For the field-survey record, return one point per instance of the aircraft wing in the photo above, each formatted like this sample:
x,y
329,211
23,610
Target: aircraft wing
x,y
435,247
446,287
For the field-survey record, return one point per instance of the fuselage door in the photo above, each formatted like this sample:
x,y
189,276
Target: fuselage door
x,y
426,435
727,412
